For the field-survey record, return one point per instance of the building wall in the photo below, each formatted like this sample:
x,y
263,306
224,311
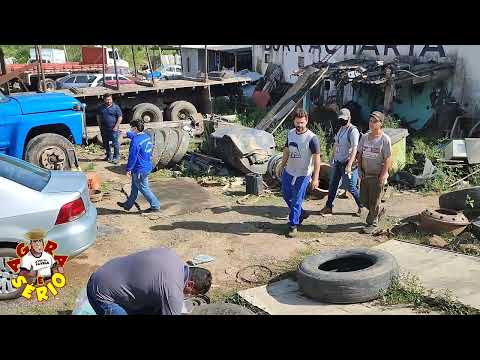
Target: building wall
x,y
465,84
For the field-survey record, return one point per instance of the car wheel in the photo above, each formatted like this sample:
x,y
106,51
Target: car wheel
x,y
347,276
50,84
49,151
7,291
147,113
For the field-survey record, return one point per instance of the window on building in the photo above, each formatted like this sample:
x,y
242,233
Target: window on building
x,y
267,58
301,61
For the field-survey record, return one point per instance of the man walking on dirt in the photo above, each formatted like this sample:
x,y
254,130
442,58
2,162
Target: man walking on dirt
x,y
344,165
300,164
109,119
139,166
148,282
375,159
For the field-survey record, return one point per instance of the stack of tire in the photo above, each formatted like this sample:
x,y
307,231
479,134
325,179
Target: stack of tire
x,y
170,146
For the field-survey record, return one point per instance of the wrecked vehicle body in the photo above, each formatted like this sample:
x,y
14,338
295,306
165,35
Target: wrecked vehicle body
x,y
245,149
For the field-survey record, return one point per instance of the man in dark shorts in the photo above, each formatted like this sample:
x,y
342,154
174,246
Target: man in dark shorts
x,y
148,282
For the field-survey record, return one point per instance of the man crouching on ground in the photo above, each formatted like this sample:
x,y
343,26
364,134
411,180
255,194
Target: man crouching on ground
x,y
375,159
139,166
301,157
148,282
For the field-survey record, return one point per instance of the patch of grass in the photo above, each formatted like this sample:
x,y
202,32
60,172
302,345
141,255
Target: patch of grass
x,y
291,264
162,173
90,167
238,300
442,181
93,148
407,290
107,186
280,139
427,147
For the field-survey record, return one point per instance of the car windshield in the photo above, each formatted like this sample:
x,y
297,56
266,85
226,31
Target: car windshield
x,y
23,173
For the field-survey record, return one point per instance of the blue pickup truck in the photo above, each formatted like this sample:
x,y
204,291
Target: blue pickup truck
x,y
42,128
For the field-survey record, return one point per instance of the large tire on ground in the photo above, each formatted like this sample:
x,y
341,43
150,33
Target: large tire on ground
x,y
7,291
155,153
347,276
456,200
181,110
221,309
49,151
183,144
147,112
171,144
50,84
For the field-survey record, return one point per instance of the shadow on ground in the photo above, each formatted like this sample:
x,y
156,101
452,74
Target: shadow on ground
x,y
117,169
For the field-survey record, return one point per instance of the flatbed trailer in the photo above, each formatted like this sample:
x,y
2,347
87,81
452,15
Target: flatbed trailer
x,y
149,101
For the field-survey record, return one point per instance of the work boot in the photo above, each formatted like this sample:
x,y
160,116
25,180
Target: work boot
x,y
292,231
151,210
305,215
326,211
369,229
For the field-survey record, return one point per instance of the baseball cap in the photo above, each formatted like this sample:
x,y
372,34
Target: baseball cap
x,y
344,114
378,115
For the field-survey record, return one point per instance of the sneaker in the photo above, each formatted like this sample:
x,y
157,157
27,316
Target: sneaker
x,y
122,205
151,210
358,213
292,232
305,215
369,229
326,211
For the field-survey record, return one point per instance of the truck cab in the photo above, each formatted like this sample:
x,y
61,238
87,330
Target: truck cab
x,y
42,128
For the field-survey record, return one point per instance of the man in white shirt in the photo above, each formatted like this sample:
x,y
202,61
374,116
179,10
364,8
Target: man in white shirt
x,y
38,262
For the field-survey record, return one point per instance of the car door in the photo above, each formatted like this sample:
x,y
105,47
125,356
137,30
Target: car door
x,y
82,81
68,82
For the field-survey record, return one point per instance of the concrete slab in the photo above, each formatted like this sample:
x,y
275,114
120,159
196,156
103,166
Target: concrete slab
x,y
437,269
179,196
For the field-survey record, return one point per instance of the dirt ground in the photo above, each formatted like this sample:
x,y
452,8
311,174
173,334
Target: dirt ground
x,y
235,235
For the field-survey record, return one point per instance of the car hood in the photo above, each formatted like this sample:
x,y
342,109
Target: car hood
x,y
68,182
31,103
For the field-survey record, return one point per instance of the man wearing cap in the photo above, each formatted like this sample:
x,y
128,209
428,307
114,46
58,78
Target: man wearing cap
x,y
344,167
38,262
375,160
153,281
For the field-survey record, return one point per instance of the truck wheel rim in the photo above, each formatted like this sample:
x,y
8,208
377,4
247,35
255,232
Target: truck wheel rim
x,y
6,276
147,117
53,158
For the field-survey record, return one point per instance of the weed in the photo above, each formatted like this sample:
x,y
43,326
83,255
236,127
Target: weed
x,y
281,139
107,186
238,300
93,148
391,122
90,167
407,290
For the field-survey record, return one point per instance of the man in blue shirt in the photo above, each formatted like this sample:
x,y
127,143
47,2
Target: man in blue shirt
x,y
110,118
139,166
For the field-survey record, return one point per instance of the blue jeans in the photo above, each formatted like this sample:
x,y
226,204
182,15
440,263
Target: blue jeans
x,y
140,183
294,195
113,137
338,173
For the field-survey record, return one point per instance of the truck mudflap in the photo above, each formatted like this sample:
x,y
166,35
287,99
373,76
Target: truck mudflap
x,y
72,159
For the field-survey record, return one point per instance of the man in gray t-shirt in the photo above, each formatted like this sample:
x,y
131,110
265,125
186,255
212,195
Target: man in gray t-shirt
x,y
343,166
147,282
375,160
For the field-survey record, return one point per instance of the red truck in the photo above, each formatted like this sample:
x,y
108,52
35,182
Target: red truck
x,y
91,63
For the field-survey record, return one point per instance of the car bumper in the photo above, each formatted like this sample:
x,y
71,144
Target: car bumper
x,y
75,237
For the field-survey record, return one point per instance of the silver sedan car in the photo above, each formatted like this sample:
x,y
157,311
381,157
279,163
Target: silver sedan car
x,y
56,201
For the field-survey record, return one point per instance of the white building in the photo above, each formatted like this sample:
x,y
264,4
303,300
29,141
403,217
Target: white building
x,y
465,84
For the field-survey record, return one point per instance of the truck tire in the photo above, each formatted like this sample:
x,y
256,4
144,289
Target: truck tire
x,y
50,84
49,151
183,144
347,276
7,291
180,110
155,153
147,112
170,147
456,200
